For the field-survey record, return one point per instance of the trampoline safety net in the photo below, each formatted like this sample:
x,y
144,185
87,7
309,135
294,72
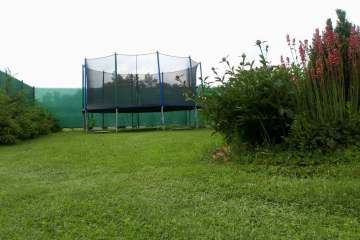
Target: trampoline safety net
x,y
138,83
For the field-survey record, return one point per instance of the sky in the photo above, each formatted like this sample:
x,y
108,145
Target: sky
x,y
44,42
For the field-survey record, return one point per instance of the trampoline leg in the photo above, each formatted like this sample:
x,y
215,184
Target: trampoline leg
x,y
132,120
162,117
103,121
84,126
116,120
196,118
86,122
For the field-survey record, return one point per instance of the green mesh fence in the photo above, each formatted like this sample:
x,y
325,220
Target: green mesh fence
x,y
66,105
12,86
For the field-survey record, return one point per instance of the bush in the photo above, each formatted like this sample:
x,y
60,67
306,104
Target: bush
x,y
20,120
253,105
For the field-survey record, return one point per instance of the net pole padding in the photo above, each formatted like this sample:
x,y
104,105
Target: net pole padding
x,y
161,90
86,123
201,77
82,94
137,89
115,82
190,85
103,101
201,83
82,85
137,103
86,85
162,107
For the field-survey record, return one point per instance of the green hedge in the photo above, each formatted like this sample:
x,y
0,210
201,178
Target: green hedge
x,y
20,120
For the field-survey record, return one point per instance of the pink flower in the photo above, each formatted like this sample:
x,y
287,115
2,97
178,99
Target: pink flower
x,y
318,47
354,43
329,38
288,39
302,53
282,61
334,57
319,68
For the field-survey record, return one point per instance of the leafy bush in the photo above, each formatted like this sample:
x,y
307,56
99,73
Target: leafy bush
x,y
253,105
20,120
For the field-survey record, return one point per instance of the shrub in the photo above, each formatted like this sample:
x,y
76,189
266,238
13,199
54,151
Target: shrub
x,y
253,105
20,120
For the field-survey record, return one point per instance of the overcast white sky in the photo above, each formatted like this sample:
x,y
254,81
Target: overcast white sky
x,y
45,41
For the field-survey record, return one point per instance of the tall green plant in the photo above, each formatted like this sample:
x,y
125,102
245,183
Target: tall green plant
x,y
328,96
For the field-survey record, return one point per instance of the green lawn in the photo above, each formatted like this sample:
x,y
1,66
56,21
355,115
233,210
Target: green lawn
x,y
159,185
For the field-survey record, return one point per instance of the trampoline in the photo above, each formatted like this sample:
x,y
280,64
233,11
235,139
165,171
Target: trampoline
x,y
153,82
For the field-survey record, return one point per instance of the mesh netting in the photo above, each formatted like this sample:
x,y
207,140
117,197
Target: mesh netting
x,y
139,83
66,104
12,86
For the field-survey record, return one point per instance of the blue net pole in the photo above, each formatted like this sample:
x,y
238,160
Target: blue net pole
x,y
115,82
103,101
86,85
193,81
161,90
190,85
82,94
201,76
85,97
137,89
116,94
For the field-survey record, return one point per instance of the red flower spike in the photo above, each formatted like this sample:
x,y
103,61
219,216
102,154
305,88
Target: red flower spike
x,y
354,43
302,53
288,39
282,61
318,43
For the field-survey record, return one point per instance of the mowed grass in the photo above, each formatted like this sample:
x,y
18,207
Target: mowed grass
x,y
160,185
